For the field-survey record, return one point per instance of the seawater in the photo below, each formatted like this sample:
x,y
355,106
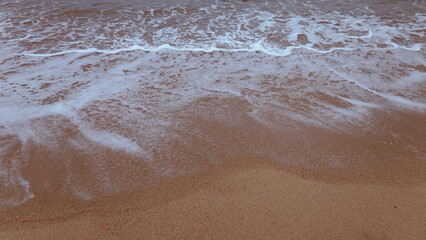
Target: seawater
x,y
98,97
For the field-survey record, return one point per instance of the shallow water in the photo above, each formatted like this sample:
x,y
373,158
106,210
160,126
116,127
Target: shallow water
x,y
98,97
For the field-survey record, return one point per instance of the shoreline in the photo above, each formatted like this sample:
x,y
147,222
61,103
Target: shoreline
x,y
246,198
212,120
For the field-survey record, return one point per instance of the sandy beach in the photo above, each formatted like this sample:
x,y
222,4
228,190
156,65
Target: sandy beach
x,y
251,198
212,119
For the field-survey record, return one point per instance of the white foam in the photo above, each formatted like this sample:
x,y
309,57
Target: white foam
x,y
11,177
415,77
89,50
255,47
405,101
137,80
396,99
359,103
258,46
226,16
209,27
13,114
111,140
351,80
81,194
415,47
369,35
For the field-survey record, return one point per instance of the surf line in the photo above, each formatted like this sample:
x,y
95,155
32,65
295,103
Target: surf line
x,y
255,47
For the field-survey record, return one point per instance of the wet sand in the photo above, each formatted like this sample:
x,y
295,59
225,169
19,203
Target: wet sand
x,y
212,119
249,198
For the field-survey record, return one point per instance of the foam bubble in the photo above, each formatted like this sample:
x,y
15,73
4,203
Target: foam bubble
x,y
207,28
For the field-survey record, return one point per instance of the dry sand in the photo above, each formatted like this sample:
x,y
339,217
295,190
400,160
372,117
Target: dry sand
x,y
246,199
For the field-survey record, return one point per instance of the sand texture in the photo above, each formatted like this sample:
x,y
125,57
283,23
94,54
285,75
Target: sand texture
x,y
248,199
212,119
